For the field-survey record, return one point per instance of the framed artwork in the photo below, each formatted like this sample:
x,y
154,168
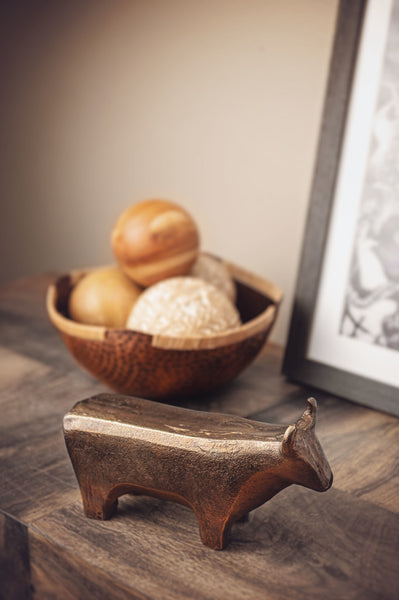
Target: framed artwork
x,y
344,332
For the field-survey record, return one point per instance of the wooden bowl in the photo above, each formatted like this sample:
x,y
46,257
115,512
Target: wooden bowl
x,y
159,366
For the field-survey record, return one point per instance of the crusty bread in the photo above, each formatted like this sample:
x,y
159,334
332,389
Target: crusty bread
x,y
104,296
183,307
155,239
214,271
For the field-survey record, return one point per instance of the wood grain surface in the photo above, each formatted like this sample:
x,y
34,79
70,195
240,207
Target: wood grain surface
x,y
341,544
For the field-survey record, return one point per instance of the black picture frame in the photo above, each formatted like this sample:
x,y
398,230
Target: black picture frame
x,y
296,365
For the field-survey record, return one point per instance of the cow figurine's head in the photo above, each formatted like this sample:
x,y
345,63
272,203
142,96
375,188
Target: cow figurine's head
x,y
307,463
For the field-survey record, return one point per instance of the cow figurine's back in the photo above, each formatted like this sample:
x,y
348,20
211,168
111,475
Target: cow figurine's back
x,y
219,465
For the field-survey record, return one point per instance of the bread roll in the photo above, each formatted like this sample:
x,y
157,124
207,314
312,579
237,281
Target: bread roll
x,y
155,239
183,307
104,296
214,271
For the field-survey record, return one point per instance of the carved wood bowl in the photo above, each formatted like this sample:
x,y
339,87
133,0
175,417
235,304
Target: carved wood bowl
x,y
159,366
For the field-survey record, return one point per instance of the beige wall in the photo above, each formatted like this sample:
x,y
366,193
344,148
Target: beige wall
x,y
213,104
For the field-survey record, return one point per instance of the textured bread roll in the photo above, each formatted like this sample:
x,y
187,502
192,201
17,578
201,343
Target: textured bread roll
x,y
155,239
103,297
214,271
183,307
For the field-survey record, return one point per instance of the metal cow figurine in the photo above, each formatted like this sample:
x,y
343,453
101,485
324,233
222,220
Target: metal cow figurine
x,y
221,466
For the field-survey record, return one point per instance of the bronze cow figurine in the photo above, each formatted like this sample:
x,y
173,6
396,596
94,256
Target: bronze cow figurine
x,y
219,465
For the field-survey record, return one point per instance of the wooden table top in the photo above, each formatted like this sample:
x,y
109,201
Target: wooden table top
x,y
343,544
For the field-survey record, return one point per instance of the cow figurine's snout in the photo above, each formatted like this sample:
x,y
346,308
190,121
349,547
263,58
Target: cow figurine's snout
x,y
221,466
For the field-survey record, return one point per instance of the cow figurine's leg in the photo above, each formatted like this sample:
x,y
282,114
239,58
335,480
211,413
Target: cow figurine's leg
x,y
213,531
215,521
98,500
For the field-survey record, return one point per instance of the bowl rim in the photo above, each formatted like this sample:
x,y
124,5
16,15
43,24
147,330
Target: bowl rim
x,y
167,342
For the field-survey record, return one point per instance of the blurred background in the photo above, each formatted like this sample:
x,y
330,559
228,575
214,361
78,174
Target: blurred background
x,y
214,104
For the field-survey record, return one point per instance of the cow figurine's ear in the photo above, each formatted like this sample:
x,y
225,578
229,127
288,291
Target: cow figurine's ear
x,y
289,439
308,419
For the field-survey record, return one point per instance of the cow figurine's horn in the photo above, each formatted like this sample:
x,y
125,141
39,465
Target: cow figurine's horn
x,y
308,419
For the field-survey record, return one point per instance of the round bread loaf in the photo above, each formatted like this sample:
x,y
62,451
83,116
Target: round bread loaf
x,y
183,307
214,271
155,239
104,296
